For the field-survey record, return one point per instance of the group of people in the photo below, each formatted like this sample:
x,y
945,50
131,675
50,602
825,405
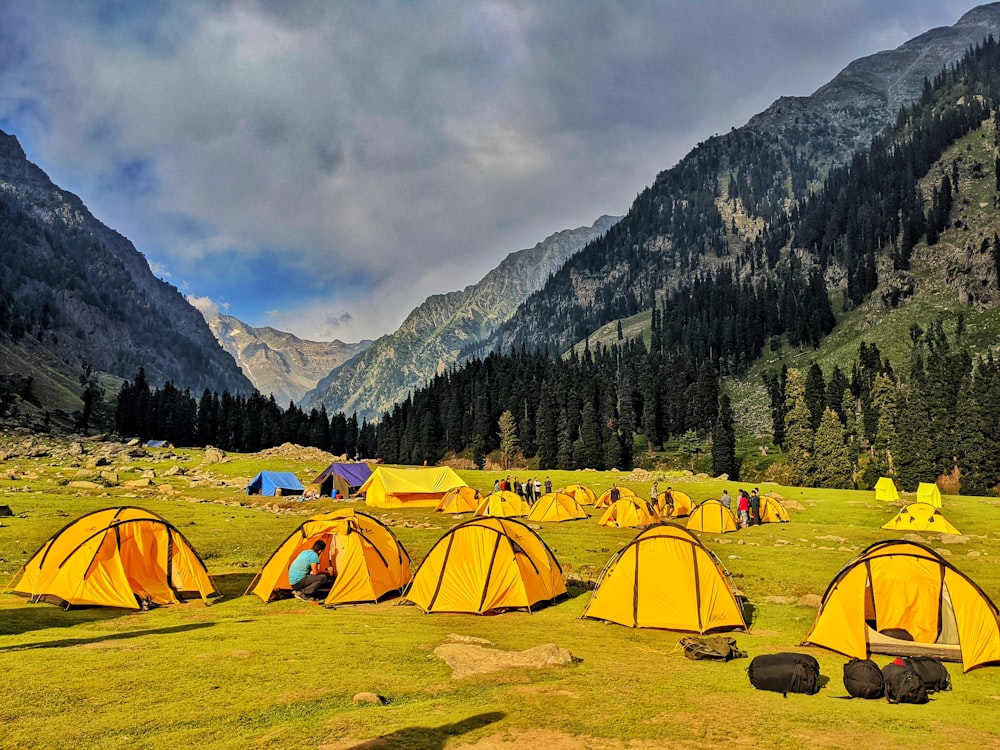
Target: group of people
x,y
747,506
529,490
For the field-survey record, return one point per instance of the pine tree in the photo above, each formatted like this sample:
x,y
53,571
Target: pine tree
x,y
831,461
724,441
815,394
590,454
508,438
910,443
799,441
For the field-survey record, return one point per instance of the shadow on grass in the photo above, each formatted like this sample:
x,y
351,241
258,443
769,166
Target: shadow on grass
x,y
749,613
109,637
233,585
429,738
40,616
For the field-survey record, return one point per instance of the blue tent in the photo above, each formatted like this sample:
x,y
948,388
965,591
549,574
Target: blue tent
x,y
158,444
275,483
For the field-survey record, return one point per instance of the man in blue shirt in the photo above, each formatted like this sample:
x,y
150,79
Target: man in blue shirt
x,y
304,574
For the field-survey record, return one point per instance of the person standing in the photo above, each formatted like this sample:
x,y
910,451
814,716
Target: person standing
x,y
496,485
726,500
538,488
755,507
744,509
615,493
548,485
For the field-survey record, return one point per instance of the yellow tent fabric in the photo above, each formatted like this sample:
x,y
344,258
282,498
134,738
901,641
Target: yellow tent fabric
x,y
583,494
604,500
627,511
487,565
771,511
113,558
683,504
885,490
713,517
556,506
903,585
666,578
928,492
368,560
459,500
409,488
503,504
921,517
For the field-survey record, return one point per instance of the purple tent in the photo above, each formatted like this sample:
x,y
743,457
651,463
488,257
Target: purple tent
x,y
343,477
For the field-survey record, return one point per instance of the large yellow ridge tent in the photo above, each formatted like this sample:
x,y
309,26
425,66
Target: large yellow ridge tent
x,y
459,500
921,517
605,499
487,565
683,504
771,511
666,578
885,490
898,586
409,488
713,517
503,504
581,492
368,560
627,511
556,506
116,557
928,492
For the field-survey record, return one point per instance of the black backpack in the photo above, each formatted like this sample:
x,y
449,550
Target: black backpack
x,y
863,679
785,673
902,684
931,671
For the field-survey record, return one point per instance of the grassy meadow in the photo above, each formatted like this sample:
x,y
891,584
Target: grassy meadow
x,y
243,674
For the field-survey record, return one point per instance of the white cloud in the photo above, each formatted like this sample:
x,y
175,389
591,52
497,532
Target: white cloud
x,y
208,308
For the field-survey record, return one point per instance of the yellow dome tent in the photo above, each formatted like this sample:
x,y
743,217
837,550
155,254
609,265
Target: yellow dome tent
x,y
459,500
556,506
116,557
487,565
713,517
904,586
627,511
581,492
605,499
368,560
504,504
771,511
666,578
683,504
885,490
409,488
921,517
928,492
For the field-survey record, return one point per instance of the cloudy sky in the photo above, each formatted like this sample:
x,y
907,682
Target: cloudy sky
x,y
322,167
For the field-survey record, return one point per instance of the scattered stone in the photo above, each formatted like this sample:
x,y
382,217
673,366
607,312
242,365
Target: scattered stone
x,y
174,471
810,600
214,455
831,538
779,600
94,461
132,443
734,557
456,638
944,552
781,542
75,449
972,553
135,483
914,538
954,539
82,485
791,504
372,698
471,659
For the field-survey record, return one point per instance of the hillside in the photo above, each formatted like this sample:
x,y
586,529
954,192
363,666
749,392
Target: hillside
x,y
77,289
281,363
437,332
712,209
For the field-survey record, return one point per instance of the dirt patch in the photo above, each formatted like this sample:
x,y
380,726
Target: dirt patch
x,y
467,659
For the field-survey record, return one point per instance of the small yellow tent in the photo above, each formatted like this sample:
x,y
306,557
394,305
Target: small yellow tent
x,y
504,504
928,492
114,558
885,489
487,565
459,500
904,586
666,578
368,560
683,504
409,488
556,506
627,511
771,511
605,499
921,517
713,517
583,494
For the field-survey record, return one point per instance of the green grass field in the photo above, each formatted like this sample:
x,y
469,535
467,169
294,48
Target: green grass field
x,y
243,674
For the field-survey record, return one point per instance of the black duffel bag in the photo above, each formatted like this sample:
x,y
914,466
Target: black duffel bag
x,y
863,679
902,684
785,673
931,672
